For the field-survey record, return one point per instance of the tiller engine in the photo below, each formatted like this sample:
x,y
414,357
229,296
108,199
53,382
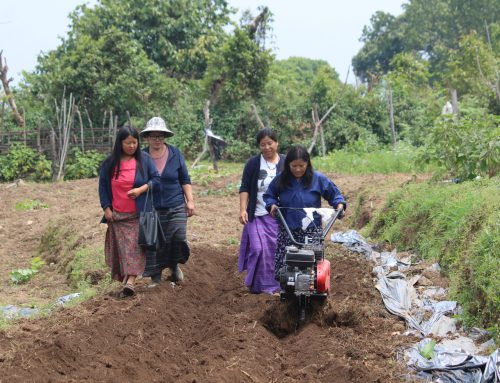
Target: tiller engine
x,y
305,274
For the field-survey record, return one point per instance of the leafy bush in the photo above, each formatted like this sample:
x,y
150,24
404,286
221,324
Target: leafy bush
x,y
456,225
83,165
24,162
466,147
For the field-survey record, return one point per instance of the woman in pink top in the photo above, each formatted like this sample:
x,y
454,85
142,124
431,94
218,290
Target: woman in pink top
x,y
123,181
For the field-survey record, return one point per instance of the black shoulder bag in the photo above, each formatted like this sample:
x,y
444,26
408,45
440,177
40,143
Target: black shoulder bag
x,y
151,236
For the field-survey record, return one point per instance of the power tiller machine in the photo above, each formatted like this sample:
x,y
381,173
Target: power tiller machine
x,y
305,274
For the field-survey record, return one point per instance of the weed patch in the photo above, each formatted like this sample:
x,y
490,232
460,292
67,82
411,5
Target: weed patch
x,y
30,204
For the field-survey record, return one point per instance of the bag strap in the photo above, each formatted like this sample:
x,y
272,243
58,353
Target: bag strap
x,y
150,190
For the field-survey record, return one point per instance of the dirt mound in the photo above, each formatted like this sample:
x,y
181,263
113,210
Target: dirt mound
x,y
210,329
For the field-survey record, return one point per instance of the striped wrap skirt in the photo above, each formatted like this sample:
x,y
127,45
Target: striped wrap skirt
x,y
121,249
175,249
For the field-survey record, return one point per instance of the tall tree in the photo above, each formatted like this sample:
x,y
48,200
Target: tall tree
x,y
178,35
383,39
431,28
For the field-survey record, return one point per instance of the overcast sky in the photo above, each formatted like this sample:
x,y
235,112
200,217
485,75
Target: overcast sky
x,y
316,29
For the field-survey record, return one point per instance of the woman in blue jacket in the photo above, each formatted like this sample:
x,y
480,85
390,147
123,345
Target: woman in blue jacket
x,y
123,181
258,240
298,187
173,199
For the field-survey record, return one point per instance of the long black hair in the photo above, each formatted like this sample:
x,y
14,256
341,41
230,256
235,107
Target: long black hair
x,y
266,132
116,154
296,153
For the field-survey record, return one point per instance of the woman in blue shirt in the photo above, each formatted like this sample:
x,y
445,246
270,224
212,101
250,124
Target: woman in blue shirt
x,y
173,199
298,187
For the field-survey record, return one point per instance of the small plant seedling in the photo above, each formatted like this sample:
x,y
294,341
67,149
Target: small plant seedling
x,y
428,350
20,276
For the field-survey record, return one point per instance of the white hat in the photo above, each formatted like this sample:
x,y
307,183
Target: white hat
x,y
156,124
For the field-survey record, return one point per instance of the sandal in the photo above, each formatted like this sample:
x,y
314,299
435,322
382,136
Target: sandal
x,y
128,290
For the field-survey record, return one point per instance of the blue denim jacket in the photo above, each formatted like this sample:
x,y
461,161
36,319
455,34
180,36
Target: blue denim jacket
x,y
297,197
175,174
150,174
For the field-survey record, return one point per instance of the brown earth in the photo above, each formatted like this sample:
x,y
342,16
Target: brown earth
x,y
207,329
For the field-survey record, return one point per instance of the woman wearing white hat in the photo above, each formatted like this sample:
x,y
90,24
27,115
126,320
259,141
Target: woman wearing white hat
x,y
173,200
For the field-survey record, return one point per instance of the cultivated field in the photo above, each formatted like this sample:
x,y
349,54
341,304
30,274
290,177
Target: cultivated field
x,y
207,329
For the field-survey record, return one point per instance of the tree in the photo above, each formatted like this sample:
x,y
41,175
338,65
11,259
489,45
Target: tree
x,y
236,75
473,68
430,28
416,104
178,35
8,92
383,40
110,73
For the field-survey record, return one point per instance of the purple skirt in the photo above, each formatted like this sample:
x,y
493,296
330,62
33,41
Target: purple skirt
x,y
257,249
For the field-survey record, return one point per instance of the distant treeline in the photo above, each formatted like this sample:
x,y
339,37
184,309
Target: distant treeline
x,y
126,61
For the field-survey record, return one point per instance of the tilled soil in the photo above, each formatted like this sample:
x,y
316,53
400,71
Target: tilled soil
x,y
208,328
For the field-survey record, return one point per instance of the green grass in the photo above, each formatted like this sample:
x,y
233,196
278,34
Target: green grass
x,y
30,204
203,174
385,161
87,264
404,159
457,225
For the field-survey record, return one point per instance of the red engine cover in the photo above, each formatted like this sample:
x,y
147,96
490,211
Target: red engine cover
x,y
323,276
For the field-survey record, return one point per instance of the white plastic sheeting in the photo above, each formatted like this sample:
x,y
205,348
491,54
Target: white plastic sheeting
x,y
448,365
453,359
13,312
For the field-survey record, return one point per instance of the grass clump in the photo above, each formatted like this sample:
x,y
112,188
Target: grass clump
x,y
30,204
457,225
58,243
87,267
64,247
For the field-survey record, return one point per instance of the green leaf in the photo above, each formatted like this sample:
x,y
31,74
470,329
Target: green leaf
x,y
428,350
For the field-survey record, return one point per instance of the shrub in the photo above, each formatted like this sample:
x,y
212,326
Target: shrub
x,y
83,165
24,162
467,147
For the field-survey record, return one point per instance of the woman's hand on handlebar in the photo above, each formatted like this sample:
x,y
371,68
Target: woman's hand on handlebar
x,y
341,206
273,210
